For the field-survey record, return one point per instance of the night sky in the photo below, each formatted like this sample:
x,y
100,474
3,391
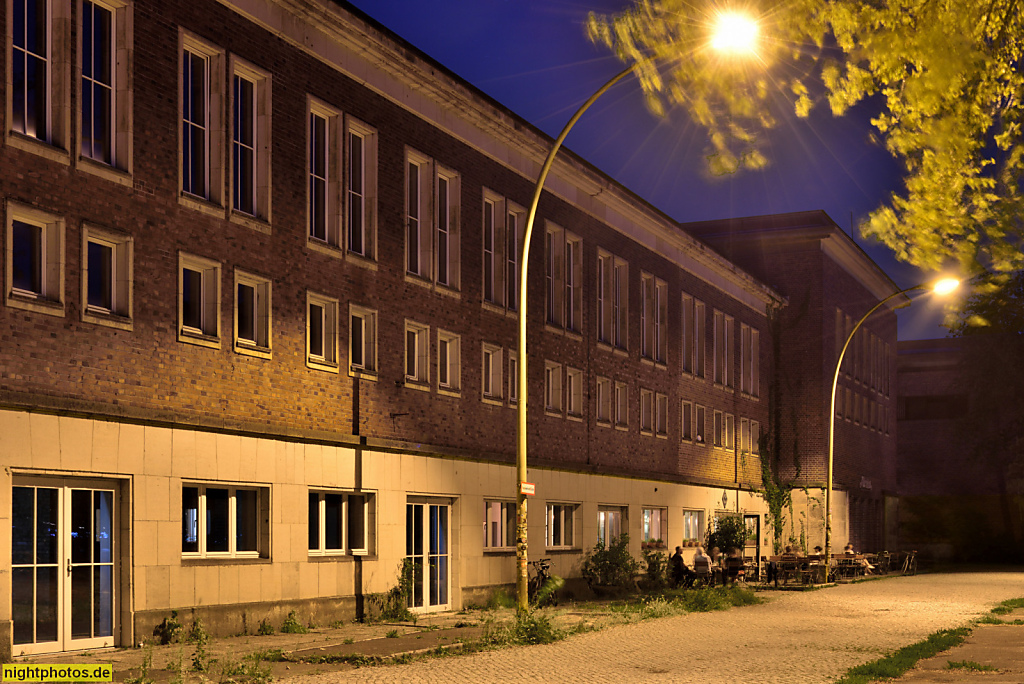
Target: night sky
x,y
533,57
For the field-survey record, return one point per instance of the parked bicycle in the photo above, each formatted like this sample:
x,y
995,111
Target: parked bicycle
x,y
541,575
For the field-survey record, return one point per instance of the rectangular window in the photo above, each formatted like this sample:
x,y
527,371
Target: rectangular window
x,y
552,387
198,298
574,391
693,525
224,521
620,305
604,400
661,414
513,378
515,222
418,180
699,339
755,437
250,141
322,190
447,229
98,69
31,68
729,434
719,349
573,283
699,425
417,352
449,361
499,525
202,120
491,371
687,333
252,312
362,340
34,260
655,525
554,275
718,433
491,275
621,405
559,524
653,318
612,300
321,332
686,421
611,520
338,523
744,436
646,411
361,188
729,356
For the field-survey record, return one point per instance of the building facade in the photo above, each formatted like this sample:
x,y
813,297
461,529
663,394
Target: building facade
x,y
830,283
257,336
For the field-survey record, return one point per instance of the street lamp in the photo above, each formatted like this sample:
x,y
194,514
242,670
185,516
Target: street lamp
x,y
732,33
940,287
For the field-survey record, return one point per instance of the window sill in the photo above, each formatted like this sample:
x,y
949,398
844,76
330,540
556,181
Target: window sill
x,y
604,423
361,261
552,412
661,435
339,557
223,560
418,385
604,346
35,303
363,374
105,171
575,417
322,247
201,205
448,291
562,549
500,551
249,221
111,320
622,428
646,433
449,393
619,351
493,401
324,365
253,350
493,308
39,147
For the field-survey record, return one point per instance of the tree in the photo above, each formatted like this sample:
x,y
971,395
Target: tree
x,y
945,76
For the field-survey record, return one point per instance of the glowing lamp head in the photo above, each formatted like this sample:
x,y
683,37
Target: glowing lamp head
x,y
734,33
945,286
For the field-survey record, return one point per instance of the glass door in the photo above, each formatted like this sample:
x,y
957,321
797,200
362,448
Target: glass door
x,y
427,548
62,558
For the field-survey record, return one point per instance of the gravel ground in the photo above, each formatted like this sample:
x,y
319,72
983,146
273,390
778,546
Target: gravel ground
x,y
797,637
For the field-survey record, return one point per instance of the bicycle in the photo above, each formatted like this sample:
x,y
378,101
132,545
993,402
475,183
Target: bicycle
x,y
542,573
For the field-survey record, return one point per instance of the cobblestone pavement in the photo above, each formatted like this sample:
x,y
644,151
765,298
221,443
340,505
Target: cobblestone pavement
x,y
797,637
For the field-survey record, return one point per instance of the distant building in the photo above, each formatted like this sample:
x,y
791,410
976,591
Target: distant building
x,y
830,283
257,336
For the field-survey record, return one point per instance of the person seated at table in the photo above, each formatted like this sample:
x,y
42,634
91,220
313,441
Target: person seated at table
x,y
733,566
702,565
863,562
682,576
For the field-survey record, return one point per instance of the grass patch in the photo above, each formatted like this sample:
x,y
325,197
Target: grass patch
x,y
969,665
895,664
989,620
1008,606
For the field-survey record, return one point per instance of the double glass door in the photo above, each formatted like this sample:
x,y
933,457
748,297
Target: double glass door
x,y
427,549
62,566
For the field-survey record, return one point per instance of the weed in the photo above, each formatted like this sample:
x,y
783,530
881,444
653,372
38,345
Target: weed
x,y
292,625
895,664
349,640
969,665
391,634
270,655
393,605
200,637
265,628
528,628
500,598
143,677
989,620
168,631
250,670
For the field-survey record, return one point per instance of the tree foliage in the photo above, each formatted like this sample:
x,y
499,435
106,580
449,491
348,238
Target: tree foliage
x,y
945,76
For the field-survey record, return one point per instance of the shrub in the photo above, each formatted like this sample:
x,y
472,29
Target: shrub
x,y
610,566
730,532
393,605
655,566
168,631
292,625
265,628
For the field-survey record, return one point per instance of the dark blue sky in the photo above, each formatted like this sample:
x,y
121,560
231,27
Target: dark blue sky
x,y
533,57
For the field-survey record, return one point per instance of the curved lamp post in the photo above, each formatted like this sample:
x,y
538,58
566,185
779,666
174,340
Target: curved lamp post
x,y
940,287
733,33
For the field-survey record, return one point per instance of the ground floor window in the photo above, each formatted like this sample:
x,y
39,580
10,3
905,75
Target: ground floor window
x,y
559,525
655,525
338,523
224,521
499,524
610,521
693,526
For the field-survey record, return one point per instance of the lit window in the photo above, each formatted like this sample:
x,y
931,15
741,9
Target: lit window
x,y
225,521
338,523
321,332
611,520
198,300
499,524
654,525
693,526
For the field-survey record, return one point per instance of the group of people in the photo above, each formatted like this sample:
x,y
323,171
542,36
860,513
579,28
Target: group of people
x,y
712,569
791,554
